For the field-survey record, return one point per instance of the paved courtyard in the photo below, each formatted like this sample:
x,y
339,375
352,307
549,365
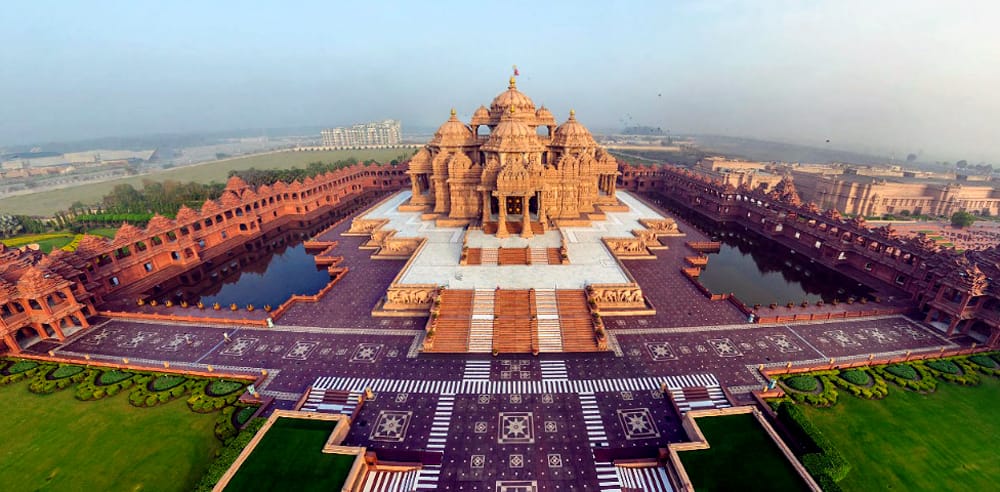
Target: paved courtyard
x,y
555,420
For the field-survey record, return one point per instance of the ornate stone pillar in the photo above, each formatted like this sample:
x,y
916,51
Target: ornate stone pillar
x,y
11,343
487,203
502,209
526,218
59,333
541,213
612,183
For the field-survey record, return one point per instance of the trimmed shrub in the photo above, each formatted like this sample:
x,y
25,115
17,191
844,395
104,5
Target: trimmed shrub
x,y
221,387
856,376
802,383
821,457
65,372
244,414
21,366
904,371
944,365
227,456
113,376
166,382
984,361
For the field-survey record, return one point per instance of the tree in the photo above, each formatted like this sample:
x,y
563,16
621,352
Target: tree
x,y
962,164
962,219
911,157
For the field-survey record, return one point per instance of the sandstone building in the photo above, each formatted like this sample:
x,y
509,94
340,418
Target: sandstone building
x,y
512,163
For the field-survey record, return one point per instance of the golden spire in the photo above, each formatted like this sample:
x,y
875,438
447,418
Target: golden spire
x,y
453,112
512,110
513,83
572,113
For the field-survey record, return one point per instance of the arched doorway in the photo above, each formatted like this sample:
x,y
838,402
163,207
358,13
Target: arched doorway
x,y
533,205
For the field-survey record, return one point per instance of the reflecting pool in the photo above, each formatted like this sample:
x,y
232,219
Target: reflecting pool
x,y
760,271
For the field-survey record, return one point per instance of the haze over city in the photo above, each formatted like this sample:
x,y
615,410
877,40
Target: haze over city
x,y
887,77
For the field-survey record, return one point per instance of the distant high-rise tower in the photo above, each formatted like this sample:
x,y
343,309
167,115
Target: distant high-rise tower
x,y
377,133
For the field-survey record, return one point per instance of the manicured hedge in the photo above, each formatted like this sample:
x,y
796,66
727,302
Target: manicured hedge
x,y
827,461
166,381
904,371
221,387
65,372
227,456
878,388
856,376
244,414
984,361
803,383
113,376
944,365
21,366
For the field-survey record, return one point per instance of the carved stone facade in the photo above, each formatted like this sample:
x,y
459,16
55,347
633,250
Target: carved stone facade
x,y
512,163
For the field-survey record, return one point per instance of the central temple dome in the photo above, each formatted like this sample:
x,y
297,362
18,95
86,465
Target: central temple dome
x,y
512,98
512,135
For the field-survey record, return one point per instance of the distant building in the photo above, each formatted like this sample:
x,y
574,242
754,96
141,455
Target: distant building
x,y
380,133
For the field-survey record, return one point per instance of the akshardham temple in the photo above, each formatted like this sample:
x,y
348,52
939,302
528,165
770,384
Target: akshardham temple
x,y
513,238
512,163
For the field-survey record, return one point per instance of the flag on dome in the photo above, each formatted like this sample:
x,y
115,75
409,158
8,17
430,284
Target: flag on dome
x,y
516,73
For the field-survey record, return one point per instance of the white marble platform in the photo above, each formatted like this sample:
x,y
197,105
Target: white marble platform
x,y
437,262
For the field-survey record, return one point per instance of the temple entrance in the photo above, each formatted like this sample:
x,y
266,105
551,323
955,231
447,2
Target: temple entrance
x,y
515,205
533,205
494,205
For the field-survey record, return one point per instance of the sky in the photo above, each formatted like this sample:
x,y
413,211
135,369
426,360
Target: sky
x,y
890,77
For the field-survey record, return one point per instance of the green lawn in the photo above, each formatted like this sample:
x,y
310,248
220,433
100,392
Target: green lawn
x,y
741,456
291,453
49,202
103,231
947,440
55,442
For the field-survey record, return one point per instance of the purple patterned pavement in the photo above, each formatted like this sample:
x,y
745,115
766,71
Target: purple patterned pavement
x,y
570,412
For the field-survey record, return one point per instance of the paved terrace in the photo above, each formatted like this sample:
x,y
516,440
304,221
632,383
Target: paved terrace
x,y
487,419
555,420
438,262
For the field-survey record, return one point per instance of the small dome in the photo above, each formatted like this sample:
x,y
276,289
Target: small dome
x,y
544,117
572,134
452,133
481,112
511,98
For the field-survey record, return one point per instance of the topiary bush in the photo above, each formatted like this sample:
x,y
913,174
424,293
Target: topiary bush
x,y
65,372
221,387
944,365
904,371
165,382
244,414
821,457
113,376
21,366
227,456
802,383
984,361
856,376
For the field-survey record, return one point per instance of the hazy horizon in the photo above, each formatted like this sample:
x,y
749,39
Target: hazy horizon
x,y
889,78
